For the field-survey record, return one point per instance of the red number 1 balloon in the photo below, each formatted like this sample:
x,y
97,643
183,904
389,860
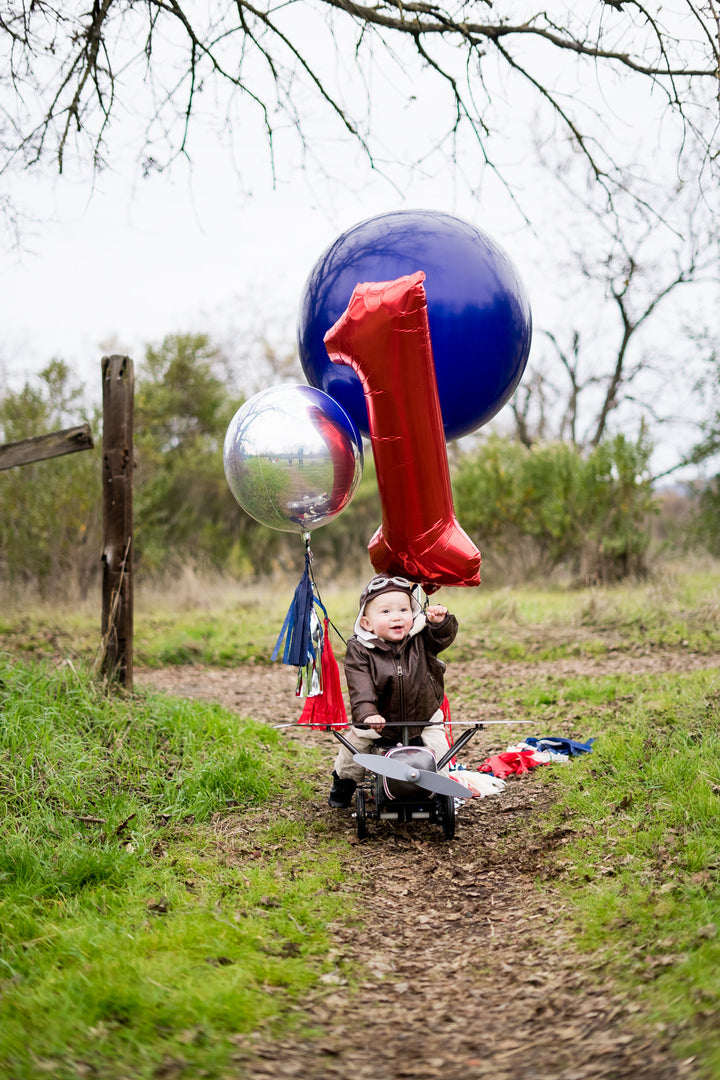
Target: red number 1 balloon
x,y
384,336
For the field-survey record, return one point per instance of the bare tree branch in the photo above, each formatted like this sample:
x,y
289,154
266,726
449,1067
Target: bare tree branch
x,y
64,65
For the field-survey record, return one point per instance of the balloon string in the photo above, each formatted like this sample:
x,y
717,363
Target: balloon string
x,y
309,559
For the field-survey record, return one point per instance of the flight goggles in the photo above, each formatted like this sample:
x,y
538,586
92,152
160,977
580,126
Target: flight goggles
x,y
381,582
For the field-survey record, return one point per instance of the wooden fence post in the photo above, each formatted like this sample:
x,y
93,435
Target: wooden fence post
x,y
117,557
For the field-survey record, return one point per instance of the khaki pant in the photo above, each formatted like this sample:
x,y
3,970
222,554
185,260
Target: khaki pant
x,y
433,737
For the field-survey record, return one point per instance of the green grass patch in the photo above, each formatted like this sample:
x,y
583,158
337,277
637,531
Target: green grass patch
x,y
223,623
643,869
241,635
136,933
132,930
675,610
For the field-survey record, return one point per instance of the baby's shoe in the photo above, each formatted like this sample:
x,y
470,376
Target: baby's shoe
x,y
341,792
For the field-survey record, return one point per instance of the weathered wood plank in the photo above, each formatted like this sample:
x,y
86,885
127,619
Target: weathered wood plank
x,y
117,557
41,447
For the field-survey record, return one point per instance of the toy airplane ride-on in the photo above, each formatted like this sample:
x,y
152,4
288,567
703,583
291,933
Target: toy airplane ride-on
x,y
407,784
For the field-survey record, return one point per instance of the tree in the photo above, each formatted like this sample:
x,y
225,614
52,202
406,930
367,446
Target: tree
x,y
488,86
182,508
71,70
709,386
184,511
51,521
629,346
706,454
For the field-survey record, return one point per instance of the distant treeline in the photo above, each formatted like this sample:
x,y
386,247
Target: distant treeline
x,y
531,511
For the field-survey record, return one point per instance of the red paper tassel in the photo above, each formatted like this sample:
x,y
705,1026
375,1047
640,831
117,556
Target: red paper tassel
x,y
327,709
447,724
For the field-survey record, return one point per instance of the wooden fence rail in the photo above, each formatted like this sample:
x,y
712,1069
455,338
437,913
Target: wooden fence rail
x,y
116,660
40,447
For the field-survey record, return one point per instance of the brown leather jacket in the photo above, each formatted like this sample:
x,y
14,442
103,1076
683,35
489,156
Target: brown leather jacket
x,y
403,683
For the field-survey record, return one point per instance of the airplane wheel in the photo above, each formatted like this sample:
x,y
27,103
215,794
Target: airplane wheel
x,y
447,811
360,815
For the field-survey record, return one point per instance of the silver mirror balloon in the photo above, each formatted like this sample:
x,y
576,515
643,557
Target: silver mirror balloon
x,y
293,458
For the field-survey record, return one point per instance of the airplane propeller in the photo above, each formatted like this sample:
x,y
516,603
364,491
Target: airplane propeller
x,y
397,770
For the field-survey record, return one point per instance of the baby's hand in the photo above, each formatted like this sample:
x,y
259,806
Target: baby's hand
x,y
436,613
376,722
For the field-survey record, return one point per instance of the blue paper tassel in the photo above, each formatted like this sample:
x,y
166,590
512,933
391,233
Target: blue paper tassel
x,y
296,628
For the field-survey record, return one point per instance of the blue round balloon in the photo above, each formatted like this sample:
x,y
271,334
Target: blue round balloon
x,y
478,310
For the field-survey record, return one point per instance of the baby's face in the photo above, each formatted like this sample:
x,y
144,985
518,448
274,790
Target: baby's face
x,y
388,616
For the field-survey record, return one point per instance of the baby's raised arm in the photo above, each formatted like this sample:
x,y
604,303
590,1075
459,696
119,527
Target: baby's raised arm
x,y
435,613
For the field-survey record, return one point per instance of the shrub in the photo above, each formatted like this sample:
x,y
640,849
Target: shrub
x,y
553,506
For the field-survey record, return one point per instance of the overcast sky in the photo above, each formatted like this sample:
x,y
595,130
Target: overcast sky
x,y
135,258
129,263
113,269
225,249
203,247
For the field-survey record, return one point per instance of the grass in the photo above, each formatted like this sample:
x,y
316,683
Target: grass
x,y
131,931
642,872
134,933
674,610
224,623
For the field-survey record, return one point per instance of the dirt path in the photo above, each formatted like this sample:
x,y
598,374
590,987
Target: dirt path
x,y
466,967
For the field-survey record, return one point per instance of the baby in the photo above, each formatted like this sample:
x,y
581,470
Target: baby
x,y
393,676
